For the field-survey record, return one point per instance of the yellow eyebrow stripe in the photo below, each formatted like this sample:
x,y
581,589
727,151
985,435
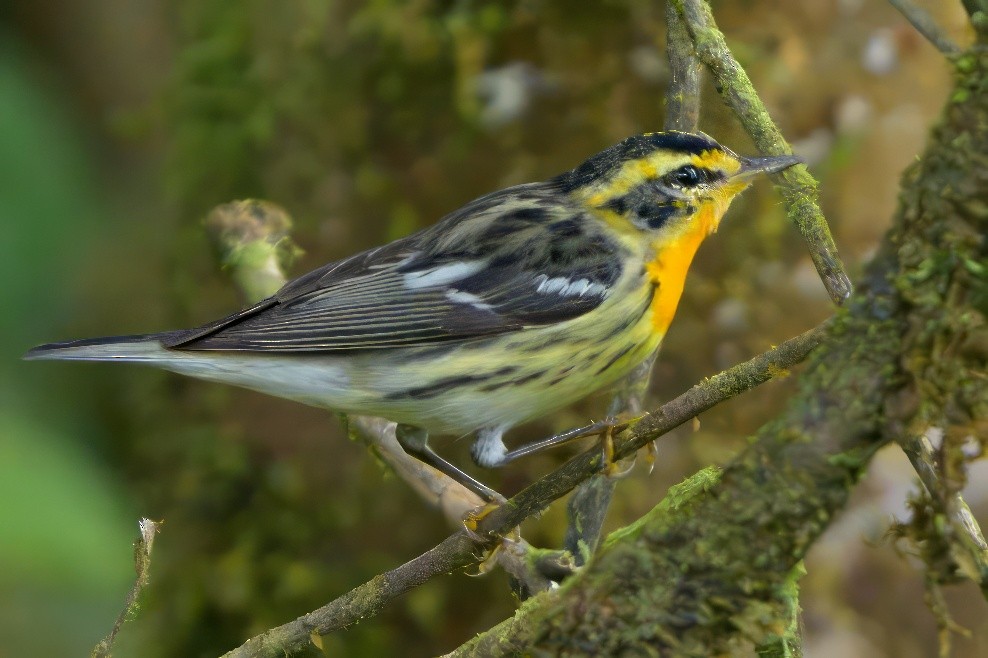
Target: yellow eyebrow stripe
x,y
634,172
716,160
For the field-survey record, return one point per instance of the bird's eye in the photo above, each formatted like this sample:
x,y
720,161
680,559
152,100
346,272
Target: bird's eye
x,y
688,176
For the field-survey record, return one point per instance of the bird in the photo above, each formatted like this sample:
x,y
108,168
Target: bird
x,y
517,304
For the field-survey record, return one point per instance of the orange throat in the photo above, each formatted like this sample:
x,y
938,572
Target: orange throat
x,y
667,270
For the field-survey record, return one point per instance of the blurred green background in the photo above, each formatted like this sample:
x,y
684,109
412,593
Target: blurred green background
x,y
122,124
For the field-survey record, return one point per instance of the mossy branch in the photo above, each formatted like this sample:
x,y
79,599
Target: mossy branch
x,y
798,187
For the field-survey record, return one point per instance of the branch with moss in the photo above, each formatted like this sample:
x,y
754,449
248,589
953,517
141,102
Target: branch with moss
x,y
798,187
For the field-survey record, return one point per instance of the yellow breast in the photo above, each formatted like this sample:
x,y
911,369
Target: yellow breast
x,y
672,260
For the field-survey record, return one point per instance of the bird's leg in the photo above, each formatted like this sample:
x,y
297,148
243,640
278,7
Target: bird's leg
x,y
593,429
488,452
415,441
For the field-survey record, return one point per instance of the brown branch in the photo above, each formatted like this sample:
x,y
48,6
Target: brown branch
x,y
462,549
798,188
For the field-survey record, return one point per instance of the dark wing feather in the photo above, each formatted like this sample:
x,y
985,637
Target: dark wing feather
x,y
464,278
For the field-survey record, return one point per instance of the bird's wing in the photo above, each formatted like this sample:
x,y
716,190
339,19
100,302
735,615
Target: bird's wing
x,y
464,278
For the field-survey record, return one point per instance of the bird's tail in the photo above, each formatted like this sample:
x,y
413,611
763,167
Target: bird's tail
x,y
138,348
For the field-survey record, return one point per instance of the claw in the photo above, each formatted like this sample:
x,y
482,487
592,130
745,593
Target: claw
x,y
651,451
471,521
607,449
611,467
487,562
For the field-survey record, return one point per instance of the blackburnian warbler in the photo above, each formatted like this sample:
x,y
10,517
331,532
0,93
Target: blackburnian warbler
x,y
515,305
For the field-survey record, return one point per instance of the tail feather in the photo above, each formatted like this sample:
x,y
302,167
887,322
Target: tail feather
x,y
142,347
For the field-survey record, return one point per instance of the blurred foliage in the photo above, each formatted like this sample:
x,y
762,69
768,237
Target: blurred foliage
x,y
367,120
64,532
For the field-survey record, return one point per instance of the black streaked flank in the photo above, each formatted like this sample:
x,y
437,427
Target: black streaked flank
x,y
590,358
445,385
514,382
562,375
529,378
614,359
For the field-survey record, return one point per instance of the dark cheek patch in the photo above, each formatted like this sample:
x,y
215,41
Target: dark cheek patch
x,y
655,215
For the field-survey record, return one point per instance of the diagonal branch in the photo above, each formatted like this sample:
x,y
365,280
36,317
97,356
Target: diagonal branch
x,y
142,565
798,187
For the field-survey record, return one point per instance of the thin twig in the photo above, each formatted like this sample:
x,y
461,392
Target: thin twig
x,y
142,565
683,93
970,547
462,549
587,507
927,26
798,187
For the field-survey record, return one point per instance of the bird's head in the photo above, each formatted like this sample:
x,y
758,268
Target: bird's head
x,y
667,183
